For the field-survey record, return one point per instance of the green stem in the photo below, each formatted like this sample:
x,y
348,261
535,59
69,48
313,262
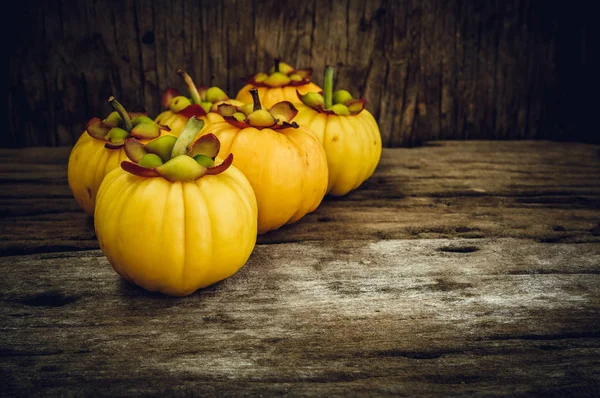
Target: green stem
x,y
191,86
328,83
276,65
122,112
191,129
257,105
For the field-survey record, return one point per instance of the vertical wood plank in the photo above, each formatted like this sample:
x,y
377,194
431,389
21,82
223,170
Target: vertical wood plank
x,y
449,70
429,69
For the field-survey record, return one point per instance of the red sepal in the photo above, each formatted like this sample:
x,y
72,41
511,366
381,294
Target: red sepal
x,y
236,123
134,114
193,110
207,145
138,170
167,96
114,145
222,167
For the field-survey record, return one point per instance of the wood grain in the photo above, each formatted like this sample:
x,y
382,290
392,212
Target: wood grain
x,y
429,317
428,69
469,189
458,269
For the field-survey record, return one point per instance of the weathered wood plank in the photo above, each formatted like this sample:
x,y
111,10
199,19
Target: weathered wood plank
x,y
399,317
428,69
539,190
493,289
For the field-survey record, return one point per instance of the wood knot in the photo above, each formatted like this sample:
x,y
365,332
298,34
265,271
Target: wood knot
x,y
48,299
148,38
458,249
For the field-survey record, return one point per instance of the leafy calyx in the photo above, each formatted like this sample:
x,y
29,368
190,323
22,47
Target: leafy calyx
x,y
279,116
176,158
281,74
201,100
120,125
339,103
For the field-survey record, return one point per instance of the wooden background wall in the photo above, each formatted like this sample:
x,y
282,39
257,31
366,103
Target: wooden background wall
x,y
429,69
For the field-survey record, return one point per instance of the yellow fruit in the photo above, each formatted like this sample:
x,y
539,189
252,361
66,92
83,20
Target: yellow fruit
x,y
100,149
177,121
89,163
287,169
352,144
177,237
179,226
269,96
203,104
279,85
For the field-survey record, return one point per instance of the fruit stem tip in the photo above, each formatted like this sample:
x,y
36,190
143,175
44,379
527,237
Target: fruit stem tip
x,y
191,86
191,129
256,100
122,112
328,89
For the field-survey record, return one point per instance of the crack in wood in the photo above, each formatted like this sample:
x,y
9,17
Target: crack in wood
x,y
458,249
544,337
47,299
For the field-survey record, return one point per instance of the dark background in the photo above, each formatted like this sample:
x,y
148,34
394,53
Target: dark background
x,y
429,69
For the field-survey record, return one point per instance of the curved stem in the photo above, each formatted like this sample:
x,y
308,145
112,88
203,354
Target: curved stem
x,y
122,112
257,105
276,65
328,86
191,86
191,129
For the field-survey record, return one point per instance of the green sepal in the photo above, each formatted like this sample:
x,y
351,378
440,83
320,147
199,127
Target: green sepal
x,y
150,161
207,106
342,97
146,130
179,103
162,146
141,119
260,77
113,120
247,109
116,135
181,168
277,79
215,94
313,100
340,110
261,118
204,160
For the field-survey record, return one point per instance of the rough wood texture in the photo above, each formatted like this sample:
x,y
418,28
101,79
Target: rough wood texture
x,y
468,189
330,318
429,69
458,269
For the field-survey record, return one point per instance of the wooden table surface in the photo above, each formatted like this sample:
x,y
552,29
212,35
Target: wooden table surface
x,y
460,268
